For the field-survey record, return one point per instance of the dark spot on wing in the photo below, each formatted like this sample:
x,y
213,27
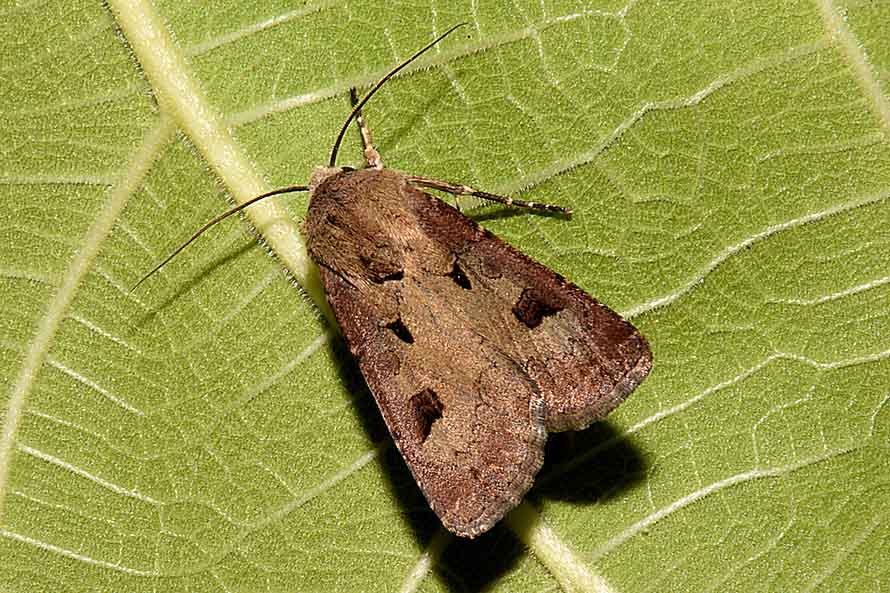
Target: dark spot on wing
x,y
457,274
532,308
400,330
427,409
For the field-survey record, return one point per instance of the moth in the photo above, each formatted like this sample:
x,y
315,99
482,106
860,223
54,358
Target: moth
x,y
472,350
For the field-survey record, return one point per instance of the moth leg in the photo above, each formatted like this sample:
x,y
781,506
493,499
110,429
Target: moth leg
x,y
458,189
372,157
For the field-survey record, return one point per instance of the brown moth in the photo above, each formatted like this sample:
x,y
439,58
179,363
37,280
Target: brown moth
x,y
473,351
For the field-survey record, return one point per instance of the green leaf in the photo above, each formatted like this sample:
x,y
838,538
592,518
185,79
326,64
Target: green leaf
x,y
729,169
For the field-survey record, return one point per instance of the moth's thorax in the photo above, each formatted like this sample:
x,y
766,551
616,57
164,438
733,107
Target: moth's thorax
x,y
360,223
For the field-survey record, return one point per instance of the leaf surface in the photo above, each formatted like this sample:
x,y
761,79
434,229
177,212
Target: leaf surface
x,y
729,169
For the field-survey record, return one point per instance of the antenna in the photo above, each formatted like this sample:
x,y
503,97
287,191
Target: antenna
x,y
216,219
377,86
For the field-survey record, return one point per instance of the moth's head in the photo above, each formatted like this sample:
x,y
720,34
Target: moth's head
x,y
322,174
